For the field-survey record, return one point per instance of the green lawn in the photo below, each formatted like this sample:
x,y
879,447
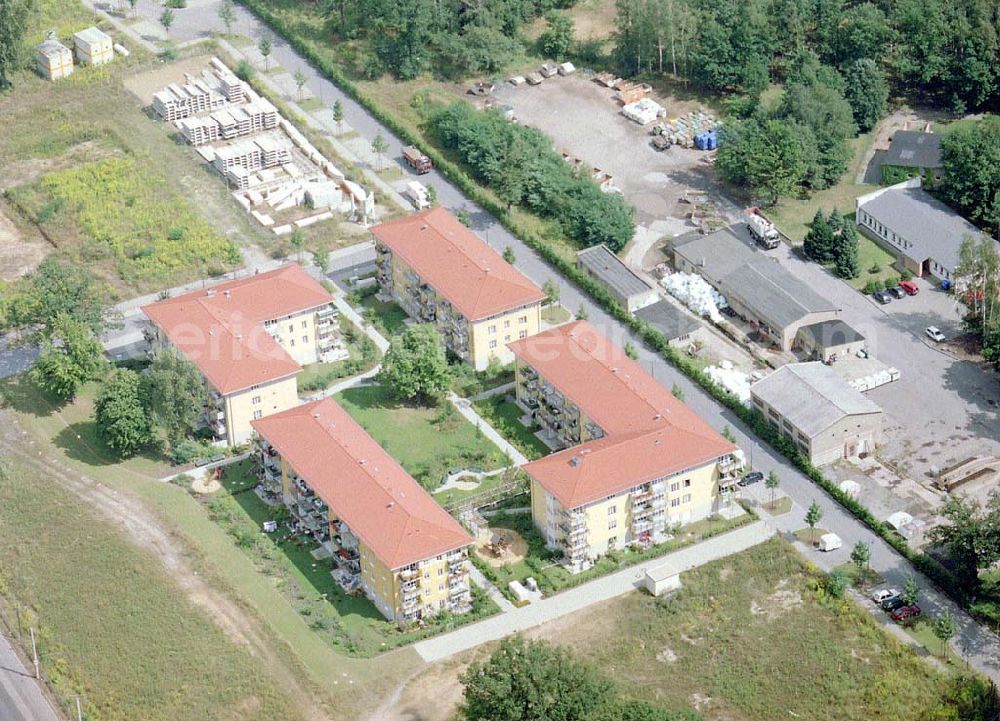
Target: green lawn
x,y
555,314
388,315
429,442
114,627
872,255
755,639
363,355
780,506
349,623
505,416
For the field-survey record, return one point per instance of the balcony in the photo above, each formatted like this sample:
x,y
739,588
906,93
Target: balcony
x,y
529,373
327,312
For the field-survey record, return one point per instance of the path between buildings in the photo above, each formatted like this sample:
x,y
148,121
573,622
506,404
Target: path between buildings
x,y
464,406
601,589
492,591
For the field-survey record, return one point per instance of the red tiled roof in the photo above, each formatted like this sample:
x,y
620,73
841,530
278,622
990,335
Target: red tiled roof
x,y
220,329
649,433
458,264
362,484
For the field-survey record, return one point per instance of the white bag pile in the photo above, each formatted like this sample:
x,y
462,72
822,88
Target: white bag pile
x,y
694,292
732,379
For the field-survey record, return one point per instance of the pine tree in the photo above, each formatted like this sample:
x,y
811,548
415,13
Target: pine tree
x,y
818,244
846,261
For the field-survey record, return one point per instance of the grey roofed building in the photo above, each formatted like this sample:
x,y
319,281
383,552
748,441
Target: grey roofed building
x,y
755,285
914,149
812,396
628,287
674,323
924,233
831,332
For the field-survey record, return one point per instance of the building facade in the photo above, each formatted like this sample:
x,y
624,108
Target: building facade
x,y
385,534
636,462
442,273
249,338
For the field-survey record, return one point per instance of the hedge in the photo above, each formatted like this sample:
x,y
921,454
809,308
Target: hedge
x,y
945,580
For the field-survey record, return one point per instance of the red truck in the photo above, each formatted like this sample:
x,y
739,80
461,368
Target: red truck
x,y
417,160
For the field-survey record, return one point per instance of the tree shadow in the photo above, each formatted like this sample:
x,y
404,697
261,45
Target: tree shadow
x,y
24,396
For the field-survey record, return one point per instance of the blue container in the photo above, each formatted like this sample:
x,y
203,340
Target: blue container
x,y
701,141
946,284
712,141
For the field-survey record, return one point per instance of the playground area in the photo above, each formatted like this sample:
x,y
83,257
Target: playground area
x,y
503,546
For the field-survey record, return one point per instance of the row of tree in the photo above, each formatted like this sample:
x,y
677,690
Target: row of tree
x,y
948,52
450,37
970,156
971,537
832,239
977,279
521,167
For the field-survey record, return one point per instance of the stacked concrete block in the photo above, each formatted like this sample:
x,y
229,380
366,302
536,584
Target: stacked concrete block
x,y
53,60
93,47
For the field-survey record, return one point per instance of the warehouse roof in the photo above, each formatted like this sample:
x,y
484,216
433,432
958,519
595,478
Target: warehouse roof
x,y
728,261
458,264
600,262
933,229
649,433
914,149
362,484
812,396
669,319
221,329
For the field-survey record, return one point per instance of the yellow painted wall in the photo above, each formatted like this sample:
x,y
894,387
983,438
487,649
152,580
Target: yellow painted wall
x,y
277,396
500,331
384,586
297,334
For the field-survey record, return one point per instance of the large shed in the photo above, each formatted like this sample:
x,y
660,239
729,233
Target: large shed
x,y
626,286
677,325
829,340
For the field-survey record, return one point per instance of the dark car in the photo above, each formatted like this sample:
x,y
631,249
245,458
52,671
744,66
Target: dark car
x,y
906,613
882,297
750,478
896,292
892,603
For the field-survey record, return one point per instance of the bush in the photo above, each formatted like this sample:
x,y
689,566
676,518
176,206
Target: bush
x,y
244,70
189,450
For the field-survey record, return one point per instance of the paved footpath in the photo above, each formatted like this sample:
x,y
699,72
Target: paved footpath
x,y
601,589
21,698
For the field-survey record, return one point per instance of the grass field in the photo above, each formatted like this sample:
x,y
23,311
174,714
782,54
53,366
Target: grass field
x,y
114,627
428,442
752,638
505,416
388,316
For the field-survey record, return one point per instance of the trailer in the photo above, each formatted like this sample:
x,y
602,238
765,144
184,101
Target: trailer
x,y
762,229
417,194
417,160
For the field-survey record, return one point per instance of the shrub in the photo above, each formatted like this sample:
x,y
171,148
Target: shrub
x,y
244,70
189,450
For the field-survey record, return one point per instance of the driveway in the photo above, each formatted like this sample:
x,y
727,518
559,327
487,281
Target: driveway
x,y
983,645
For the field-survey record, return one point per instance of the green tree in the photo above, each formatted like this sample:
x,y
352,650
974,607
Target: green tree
x,y
298,241
836,222
819,242
763,156
978,271
630,350
581,312
551,289
531,681
338,115
813,516
401,33
13,25
970,159
860,556
910,591
771,483
227,14
862,32
379,146
264,47
728,434
971,537
121,418
944,628
167,19
867,91
677,392
823,111
300,81
58,288
557,38
847,263
70,356
508,255
415,364
175,393
836,583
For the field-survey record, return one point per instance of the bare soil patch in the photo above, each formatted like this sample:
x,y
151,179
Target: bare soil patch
x,y
20,251
517,548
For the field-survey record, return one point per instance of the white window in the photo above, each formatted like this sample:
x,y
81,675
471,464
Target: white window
x,y
612,523
493,329
493,344
257,415
674,502
675,486
255,400
305,339
440,587
506,323
291,327
687,498
612,510
506,338
523,334
523,319
292,342
305,324
441,571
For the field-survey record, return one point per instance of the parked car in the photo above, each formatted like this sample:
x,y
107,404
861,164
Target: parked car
x,y
892,603
884,593
909,286
882,297
934,334
750,478
896,292
830,542
906,613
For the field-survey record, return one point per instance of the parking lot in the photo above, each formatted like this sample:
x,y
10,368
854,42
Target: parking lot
x,y
584,120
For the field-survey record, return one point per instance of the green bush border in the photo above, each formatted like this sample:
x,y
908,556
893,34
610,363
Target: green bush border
x,y
945,580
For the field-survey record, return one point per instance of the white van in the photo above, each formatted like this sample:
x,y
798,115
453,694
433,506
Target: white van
x,y
830,542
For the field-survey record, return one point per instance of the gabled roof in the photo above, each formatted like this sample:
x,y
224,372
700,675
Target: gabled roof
x,y
914,149
649,433
610,270
457,264
812,396
220,329
362,484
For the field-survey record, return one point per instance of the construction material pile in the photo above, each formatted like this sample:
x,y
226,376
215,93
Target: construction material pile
x,y
732,379
696,294
683,130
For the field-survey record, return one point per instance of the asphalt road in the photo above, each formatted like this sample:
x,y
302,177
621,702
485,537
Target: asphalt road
x,y
978,645
21,698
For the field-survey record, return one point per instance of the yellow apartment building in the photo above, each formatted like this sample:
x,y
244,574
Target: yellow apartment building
x,y
249,338
440,272
635,461
385,533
